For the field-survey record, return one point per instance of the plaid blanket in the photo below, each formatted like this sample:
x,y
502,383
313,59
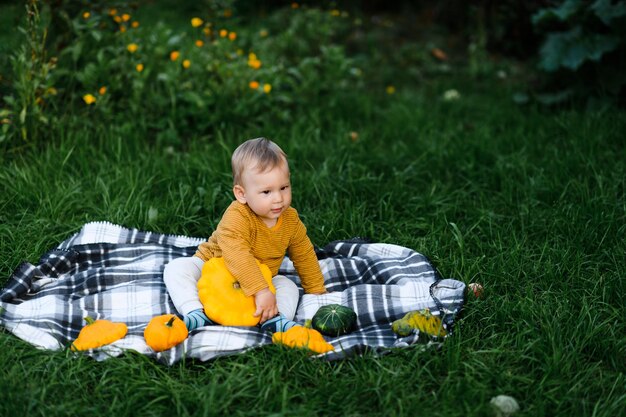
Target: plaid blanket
x,y
106,271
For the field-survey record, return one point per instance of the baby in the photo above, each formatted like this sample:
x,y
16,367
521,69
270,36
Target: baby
x,y
259,224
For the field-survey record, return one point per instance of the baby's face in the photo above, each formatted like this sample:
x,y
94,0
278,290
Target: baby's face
x,y
267,193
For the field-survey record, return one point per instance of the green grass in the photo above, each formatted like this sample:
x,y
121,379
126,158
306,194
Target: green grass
x,y
527,201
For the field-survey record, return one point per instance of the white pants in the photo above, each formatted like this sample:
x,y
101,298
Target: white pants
x,y
181,279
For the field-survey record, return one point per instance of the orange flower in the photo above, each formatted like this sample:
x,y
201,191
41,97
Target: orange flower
x,y
199,43
122,28
89,99
117,19
135,24
196,22
132,48
223,33
253,61
232,36
125,17
254,85
112,12
207,31
186,63
174,55
439,54
139,67
102,90
228,13
256,64
86,15
294,5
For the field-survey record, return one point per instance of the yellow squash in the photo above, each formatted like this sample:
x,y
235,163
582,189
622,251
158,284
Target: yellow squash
x,y
222,297
304,338
98,333
164,332
421,320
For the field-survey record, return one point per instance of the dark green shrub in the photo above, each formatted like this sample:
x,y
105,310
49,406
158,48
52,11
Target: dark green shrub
x,y
583,50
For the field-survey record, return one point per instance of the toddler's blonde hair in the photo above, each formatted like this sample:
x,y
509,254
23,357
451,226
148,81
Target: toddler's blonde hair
x,y
260,154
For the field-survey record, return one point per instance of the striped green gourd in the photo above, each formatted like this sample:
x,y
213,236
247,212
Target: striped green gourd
x,y
334,320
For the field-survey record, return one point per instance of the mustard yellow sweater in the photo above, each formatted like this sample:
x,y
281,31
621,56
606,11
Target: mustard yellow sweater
x,y
241,236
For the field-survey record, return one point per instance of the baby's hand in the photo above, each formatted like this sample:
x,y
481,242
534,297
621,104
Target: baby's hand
x,y
266,306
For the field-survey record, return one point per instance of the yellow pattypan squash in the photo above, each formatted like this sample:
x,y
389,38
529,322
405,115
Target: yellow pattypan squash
x,y
223,299
421,320
164,332
98,333
303,337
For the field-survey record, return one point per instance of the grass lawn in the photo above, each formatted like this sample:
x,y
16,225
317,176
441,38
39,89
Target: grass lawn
x,y
528,201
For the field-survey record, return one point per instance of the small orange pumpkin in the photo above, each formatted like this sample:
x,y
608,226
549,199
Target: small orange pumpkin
x,y
98,333
303,337
222,297
164,332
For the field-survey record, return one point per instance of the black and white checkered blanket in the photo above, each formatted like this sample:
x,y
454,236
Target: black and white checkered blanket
x,y
106,271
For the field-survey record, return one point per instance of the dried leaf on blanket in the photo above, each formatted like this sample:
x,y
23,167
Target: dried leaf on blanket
x,y
106,271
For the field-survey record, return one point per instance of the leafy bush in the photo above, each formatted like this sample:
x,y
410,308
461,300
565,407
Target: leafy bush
x,y
172,85
29,109
583,49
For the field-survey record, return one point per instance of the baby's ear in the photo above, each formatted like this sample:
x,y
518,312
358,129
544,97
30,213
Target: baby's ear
x,y
240,194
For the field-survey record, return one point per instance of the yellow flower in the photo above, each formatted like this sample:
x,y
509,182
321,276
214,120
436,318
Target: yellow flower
x,y
51,91
112,12
132,48
174,55
252,56
232,36
86,15
139,67
89,99
135,24
125,17
390,89
354,136
196,22
335,12
239,51
267,88
264,33
199,43
186,63
255,63
254,85
223,33
102,90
